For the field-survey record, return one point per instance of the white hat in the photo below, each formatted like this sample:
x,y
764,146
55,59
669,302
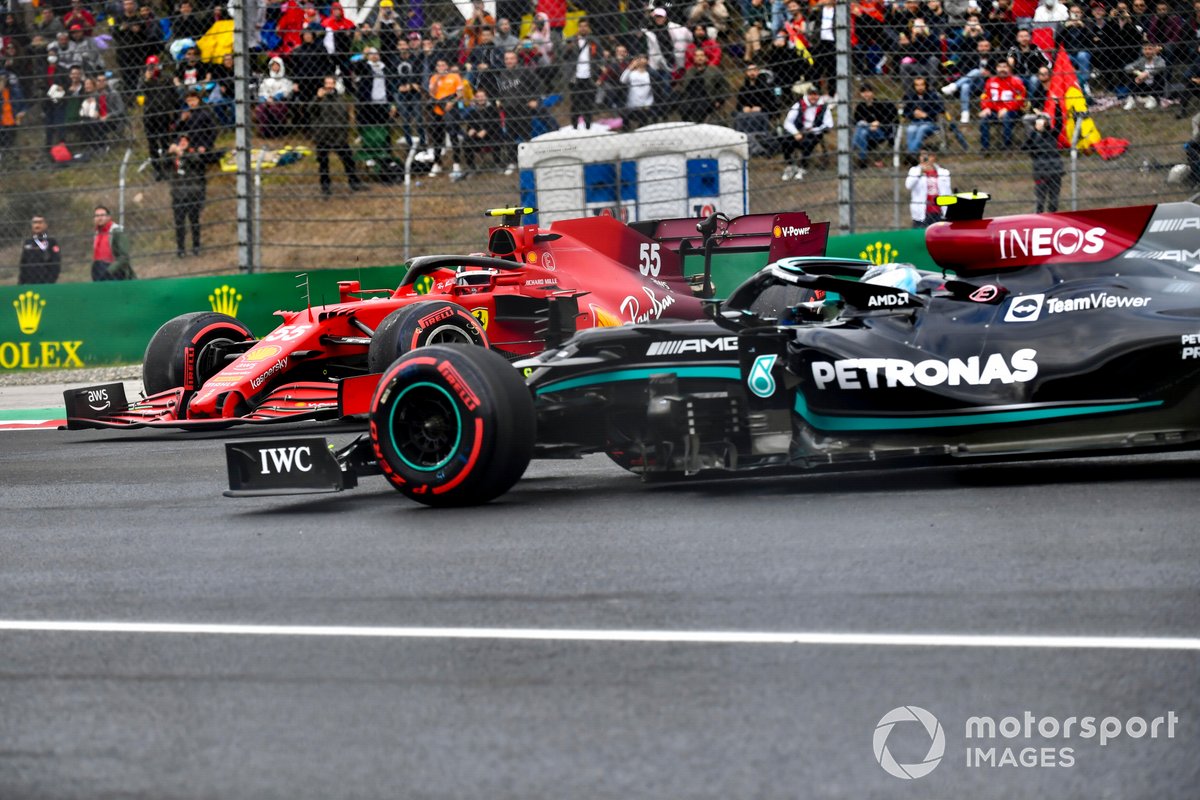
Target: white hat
x,y
660,12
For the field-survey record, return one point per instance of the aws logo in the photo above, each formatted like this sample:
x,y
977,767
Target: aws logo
x,y
225,300
880,253
29,308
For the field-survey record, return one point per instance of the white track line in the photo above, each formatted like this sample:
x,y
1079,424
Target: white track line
x,y
617,636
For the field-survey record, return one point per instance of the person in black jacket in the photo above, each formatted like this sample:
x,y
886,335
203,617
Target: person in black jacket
x,y
158,114
874,122
754,111
41,259
199,124
189,189
482,128
1042,144
308,65
329,115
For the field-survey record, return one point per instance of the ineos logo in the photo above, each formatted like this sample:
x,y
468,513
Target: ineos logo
x,y
933,728
1050,242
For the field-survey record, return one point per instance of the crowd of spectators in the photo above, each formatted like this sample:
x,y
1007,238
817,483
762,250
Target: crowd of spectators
x,y
463,89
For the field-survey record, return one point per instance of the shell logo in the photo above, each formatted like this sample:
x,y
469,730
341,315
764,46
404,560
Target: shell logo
x,y
262,353
602,318
531,258
777,231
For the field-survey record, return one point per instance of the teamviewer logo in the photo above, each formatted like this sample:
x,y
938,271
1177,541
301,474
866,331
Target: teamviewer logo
x,y
1026,308
933,728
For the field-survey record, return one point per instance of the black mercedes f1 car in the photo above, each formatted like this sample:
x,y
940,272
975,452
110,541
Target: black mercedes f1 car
x,y
1065,334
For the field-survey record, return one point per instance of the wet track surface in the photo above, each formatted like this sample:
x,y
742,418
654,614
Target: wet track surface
x,y
132,527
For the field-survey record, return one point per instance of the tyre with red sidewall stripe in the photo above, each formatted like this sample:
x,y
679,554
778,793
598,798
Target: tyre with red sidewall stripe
x,y
424,323
173,356
452,426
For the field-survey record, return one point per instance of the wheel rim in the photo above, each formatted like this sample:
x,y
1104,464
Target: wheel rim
x,y
425,427
449,334
205,369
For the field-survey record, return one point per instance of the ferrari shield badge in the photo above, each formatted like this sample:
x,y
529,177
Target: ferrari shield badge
x,y
761,382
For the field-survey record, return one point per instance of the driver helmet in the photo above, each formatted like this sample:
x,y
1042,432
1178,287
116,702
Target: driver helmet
x,y
897,276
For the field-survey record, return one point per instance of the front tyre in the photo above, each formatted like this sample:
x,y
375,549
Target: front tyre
x,y
175,355
452,426
425,323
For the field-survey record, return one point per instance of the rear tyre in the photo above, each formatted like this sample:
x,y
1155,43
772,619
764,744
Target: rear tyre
x,y
452,426
174,356
420,324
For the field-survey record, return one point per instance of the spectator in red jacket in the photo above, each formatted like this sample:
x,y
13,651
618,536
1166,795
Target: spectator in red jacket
x,y
1003,101
700,41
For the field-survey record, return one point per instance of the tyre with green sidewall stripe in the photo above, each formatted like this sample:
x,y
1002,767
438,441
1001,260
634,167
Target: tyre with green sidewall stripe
x,y
452,426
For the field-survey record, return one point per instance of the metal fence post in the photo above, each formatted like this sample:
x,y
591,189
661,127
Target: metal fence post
x,y
243,24
121,187
845,169
408,161
256,216
1075,162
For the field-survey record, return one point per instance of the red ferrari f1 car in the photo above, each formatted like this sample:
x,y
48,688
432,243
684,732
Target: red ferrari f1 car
x,y
533,288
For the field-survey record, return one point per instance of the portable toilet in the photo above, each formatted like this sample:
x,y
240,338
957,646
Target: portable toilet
x,y
673,169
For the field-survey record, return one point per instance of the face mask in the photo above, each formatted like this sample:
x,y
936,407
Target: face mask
x,y
52,59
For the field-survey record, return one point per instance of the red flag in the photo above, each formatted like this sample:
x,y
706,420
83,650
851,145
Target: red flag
x,y
1064,92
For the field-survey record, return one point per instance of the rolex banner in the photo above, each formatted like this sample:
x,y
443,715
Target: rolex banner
x,y
59,326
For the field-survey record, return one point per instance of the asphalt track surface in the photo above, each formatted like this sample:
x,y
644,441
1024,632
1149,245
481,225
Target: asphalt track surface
x,y
131,527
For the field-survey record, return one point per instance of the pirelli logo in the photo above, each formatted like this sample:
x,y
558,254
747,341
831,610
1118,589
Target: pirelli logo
x,y
725,344
1170,225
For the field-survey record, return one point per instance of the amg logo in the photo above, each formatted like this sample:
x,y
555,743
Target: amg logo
x,y
789,230
1165,255
1050,241
852,373
877,300
284,459
672,347
1168,225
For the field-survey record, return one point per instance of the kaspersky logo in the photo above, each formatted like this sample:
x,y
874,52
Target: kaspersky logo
x,y
225,300
880,253
29,308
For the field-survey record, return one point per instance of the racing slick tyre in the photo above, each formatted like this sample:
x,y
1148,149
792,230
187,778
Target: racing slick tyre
x,y
174,356
452,426
424,323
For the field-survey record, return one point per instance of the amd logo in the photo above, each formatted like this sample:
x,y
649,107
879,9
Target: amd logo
x,y
285,459
885,300
670,347
1068,241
